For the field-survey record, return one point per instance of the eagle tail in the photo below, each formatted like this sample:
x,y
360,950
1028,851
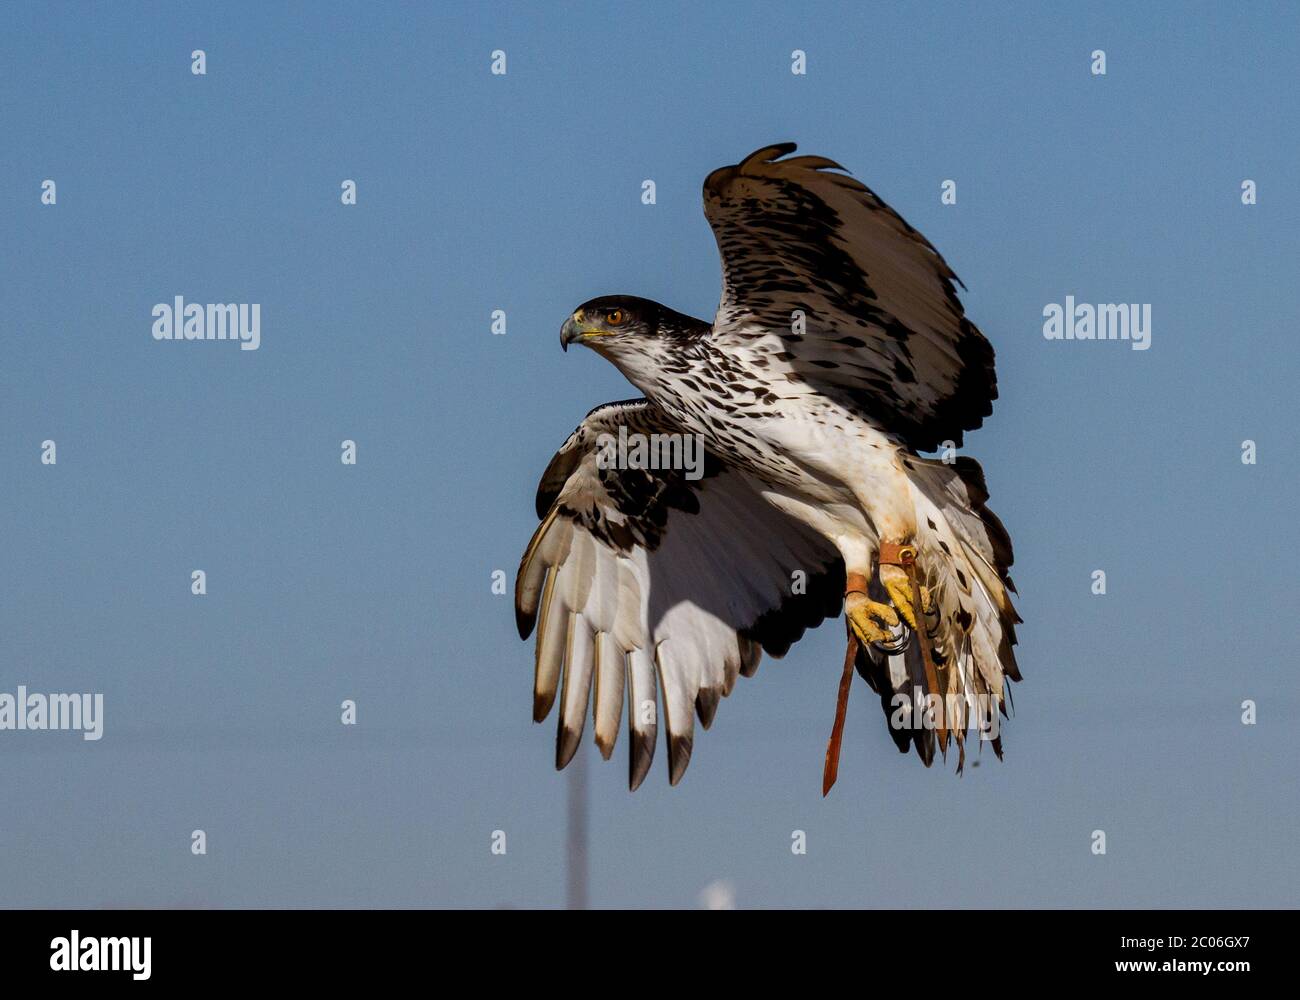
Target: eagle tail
x,y
964,558
896,678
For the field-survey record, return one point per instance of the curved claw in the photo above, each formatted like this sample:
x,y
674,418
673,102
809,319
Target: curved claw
x,y
870,620
899,589
898,642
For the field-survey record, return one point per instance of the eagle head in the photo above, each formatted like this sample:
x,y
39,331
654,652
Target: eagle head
x,y
612,323
641,338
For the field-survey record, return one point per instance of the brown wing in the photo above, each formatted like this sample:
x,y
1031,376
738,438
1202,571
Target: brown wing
x,y
884,327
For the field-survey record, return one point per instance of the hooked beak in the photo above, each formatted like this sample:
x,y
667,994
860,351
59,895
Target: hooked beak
x,y
569,333
577,329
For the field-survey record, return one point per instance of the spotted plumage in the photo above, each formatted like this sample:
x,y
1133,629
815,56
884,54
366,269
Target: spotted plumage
x,y
839,352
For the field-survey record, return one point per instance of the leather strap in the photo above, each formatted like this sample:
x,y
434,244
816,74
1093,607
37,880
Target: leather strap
x,y
889,554
892,554
855,583
831,769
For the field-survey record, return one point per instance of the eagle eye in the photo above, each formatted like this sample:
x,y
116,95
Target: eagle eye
x,y
615,317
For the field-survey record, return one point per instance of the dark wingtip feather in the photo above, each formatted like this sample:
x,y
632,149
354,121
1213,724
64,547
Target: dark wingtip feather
x,y
679,756
567,742
641,753
706,705
524,622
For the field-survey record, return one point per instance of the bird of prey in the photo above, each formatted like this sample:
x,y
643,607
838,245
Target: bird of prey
x,y
839,353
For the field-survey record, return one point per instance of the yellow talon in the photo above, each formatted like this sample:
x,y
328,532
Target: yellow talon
x,y
899,589
871,620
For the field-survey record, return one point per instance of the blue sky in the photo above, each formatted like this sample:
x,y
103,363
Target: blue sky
x,y
478,192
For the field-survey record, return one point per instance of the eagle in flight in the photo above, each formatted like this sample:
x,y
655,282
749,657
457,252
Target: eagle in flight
x,y
839,354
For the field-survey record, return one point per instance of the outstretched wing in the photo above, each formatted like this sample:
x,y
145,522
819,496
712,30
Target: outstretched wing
x,y
884,328
640,579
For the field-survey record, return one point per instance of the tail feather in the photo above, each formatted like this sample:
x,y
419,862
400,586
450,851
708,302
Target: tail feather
x,y
873,667
964,554
897,678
